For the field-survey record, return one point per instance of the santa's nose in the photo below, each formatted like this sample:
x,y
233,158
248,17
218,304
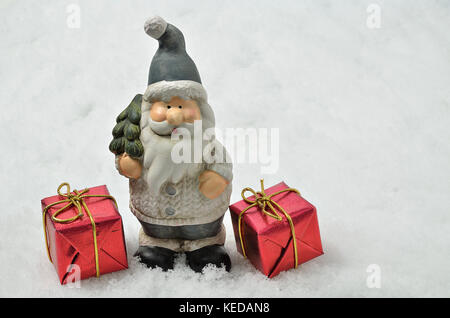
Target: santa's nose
x,y
175,116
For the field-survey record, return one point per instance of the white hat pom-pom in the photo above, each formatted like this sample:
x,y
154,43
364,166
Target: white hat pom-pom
x,y
155,27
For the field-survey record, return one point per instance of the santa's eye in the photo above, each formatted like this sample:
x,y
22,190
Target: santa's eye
x,y
180,107
169,107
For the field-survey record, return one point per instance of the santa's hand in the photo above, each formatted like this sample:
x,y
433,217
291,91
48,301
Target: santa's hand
x,y
129,167
212,184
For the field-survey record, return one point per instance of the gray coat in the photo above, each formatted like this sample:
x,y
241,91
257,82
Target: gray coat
x,y
181,203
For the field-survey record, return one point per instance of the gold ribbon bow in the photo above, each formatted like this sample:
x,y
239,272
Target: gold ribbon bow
x,y
262,201
76,200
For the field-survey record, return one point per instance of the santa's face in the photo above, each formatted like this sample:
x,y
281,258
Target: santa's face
x,y
176,113
159,124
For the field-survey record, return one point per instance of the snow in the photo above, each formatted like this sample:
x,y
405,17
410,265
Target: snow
x,y
364,119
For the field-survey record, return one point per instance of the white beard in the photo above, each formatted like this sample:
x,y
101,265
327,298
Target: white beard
x,y
159,168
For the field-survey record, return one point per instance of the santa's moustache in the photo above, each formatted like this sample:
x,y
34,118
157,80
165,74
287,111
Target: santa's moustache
x,y
159,167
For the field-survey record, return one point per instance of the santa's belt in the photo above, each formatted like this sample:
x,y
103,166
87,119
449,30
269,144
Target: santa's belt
x,y
183,232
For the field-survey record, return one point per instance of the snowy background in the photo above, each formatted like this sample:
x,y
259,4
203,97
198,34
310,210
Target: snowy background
x,y
364,118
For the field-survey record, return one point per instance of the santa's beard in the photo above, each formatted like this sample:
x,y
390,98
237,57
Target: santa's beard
x,y
159,168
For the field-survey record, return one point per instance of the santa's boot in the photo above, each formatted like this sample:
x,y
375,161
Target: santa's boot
x,y
213,254
152,253
208,250
154,256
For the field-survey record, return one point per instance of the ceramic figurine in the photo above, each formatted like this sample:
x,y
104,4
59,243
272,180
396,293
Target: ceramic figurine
x,y
180,205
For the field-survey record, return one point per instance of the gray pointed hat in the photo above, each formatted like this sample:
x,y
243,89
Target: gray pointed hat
x,y
171,62
172,71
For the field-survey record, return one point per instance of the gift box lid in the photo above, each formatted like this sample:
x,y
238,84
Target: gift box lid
x,y
102,210
295,205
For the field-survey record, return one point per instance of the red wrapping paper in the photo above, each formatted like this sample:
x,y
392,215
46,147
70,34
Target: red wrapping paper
x,y
73,243
268,242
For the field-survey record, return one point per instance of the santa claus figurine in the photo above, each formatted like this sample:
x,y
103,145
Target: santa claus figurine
x,y
180,205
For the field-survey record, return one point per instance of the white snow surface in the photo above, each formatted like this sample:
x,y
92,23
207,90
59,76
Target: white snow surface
x,y
364,119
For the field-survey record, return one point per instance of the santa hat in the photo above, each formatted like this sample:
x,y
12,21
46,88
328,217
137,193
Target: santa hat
x,y
172,71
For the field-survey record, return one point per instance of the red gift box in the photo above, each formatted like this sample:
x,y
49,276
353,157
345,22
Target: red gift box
x,y
77,241
267,241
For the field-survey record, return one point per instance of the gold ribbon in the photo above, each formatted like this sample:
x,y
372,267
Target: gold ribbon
x,y
262,201
76,200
